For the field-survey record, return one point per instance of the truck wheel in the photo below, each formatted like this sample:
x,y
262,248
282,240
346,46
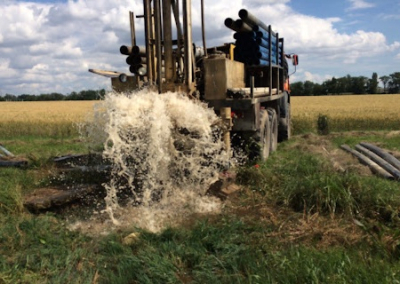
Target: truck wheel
x,y
262,139
285,125
273,120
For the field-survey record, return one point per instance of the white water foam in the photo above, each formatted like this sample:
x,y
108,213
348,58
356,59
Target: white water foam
x,y
166,150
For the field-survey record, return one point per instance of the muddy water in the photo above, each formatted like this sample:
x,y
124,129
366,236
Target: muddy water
x,y
165,151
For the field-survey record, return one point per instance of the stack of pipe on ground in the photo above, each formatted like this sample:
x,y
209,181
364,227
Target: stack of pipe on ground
x,y
378,160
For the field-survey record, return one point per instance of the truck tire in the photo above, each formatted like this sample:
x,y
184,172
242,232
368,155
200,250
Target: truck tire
x,y
262,139
285,125
273,120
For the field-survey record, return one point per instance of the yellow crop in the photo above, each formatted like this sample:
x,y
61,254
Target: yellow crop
x,y
357,112
361,112
50,118
50,111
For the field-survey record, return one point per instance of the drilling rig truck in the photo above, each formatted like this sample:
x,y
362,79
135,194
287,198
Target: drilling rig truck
x,y
246,82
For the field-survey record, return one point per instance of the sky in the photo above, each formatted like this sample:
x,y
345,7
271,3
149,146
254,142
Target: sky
x,y
48,45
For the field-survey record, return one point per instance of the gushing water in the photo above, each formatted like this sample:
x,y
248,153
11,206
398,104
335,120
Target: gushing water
x,y
165,151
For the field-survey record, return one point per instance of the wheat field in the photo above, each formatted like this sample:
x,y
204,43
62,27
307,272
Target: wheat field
x,y
345,113
47,118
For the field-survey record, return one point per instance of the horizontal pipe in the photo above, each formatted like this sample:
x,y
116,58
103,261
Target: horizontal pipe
x,y
13,163
383,154
138,50
263,33
135,60
375,168
230,23
259,29
125,49
263,62
254,43
250,19
249,35
242,26
5,151
257,92
139,69
381,162
263,42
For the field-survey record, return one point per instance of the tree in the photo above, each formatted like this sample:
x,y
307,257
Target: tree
x,y
385,80
359,85
308,88
373,84
9,97
297,89
332,86
394,83
319,90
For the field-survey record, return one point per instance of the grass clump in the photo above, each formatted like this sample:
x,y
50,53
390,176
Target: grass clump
x,y
323,124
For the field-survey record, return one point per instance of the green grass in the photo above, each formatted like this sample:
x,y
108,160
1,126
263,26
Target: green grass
x,y
275,230
38,129
41,250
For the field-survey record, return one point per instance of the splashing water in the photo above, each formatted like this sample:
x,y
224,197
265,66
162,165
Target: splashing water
x,y
165,149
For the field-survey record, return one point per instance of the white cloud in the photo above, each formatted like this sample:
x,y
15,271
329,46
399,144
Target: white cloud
x,y
360,4
52,45
316,78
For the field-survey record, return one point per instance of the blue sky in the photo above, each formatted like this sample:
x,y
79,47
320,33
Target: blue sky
x,y
48,46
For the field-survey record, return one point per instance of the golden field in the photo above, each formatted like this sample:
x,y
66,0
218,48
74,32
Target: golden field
x,y
56,111
345,113
47,118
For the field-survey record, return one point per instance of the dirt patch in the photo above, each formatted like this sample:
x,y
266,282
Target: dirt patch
x,y
292,227
340,160
393,133
51,197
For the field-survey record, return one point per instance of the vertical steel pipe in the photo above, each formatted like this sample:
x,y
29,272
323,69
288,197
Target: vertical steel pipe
x,y
157,39
147,31
133,32
188,46
167,29
203,30
270,60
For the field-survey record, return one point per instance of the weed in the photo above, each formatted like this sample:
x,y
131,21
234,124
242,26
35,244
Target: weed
x,y
323,124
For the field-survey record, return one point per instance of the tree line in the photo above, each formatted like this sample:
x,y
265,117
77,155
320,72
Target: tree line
x,y
85,95
334,86
349,85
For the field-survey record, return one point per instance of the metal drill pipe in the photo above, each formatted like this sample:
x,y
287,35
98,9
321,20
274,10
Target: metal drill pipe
x,y
167,29
158,47
147,29
230,23
187,26
250,19
203,31
133,32
125,49
242,26
138,50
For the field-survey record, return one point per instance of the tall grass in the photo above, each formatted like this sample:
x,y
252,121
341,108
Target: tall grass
x,y
309,183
